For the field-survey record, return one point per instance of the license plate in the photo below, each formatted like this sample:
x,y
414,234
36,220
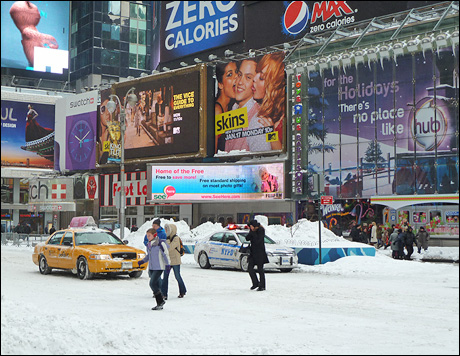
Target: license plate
x,y
126,265
286,261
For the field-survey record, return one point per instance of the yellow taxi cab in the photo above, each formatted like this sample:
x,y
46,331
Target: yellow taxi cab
x,y
87,250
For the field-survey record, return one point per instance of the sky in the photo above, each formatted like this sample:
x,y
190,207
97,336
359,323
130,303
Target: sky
x,y
355,305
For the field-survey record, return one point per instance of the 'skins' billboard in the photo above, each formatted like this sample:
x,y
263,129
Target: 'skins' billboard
x,y
193,26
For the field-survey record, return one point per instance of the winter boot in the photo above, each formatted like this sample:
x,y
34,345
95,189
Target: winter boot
x,y
160,302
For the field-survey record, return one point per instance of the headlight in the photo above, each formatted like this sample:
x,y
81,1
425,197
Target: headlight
x,y
140,256
100,257
269,254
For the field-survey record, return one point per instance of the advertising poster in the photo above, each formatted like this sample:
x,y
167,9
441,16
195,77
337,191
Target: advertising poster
x,y
215,182
189,27
164,121
27,134
379,120
38,35
250,105
275,22
81,131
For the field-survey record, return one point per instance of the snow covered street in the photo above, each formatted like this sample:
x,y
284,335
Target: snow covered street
x,y
355,305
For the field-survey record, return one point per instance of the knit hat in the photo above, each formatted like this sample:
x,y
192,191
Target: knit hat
x,y
157,222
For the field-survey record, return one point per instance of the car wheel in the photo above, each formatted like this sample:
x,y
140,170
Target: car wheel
x,y
43,266
83,269
244,262
203,260
286,269
135,274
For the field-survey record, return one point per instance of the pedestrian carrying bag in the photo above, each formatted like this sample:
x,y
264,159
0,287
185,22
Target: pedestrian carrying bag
x,y
245,248
181,249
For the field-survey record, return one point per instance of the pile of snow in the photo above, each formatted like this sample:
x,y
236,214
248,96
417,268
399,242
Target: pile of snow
x,y
303,234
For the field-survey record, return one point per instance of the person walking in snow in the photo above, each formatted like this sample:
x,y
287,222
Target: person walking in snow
x,y
402,243
395,242
158,257
156,224
409,240
257,256
422,238
174,254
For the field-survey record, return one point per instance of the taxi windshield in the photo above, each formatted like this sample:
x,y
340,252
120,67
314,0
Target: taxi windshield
x,y
242,236
96,238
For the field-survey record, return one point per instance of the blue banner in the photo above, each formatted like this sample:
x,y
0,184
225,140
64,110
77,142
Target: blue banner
x,y
193,26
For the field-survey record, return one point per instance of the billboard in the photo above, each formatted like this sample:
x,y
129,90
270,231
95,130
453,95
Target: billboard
x,y
275,22
181,182
38,35
250,105
168,118
382,128
193,26
76,133
27,134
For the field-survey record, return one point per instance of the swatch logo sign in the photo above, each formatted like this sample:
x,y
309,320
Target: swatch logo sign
x,y
430,126
81,102
297,15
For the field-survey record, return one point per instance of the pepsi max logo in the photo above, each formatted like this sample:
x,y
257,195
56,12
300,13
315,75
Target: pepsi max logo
x,y
296,17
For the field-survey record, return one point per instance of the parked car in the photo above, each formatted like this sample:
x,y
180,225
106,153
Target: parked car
x,y
222,249
87,250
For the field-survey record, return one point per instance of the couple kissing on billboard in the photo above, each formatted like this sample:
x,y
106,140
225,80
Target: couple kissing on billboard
x,y
250,104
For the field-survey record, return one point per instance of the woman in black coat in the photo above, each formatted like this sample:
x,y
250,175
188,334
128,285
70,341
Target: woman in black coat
x,y
258,256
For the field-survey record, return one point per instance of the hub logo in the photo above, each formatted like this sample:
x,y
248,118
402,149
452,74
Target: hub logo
x,y
296,17
430,126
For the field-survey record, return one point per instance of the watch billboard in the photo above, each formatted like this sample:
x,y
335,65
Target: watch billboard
x,y
76,135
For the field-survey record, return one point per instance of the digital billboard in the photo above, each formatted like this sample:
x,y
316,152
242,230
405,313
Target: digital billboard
x,y
193,26
27,134
222,182
167,119
36,35
250,105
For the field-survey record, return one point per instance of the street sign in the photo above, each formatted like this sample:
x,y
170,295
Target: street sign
x,y
327,200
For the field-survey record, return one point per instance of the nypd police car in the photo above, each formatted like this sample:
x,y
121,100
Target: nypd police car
x,y
222,249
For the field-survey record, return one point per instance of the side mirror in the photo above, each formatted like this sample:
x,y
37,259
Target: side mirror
x,y
125,242
233,242
67,243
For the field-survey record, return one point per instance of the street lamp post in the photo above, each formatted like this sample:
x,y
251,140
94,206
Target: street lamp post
x,y
111,106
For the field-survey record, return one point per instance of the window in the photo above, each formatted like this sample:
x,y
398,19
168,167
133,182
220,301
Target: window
x,y
110,32
7,190
217,237
419,217
110,58
56,239
68,239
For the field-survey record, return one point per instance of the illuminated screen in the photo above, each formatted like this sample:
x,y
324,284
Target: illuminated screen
x,y
216,182
37,35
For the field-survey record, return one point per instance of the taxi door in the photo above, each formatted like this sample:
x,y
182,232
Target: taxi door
x,y
66,251
52,248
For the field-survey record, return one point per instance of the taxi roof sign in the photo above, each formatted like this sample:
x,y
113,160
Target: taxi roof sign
x,y
82,221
